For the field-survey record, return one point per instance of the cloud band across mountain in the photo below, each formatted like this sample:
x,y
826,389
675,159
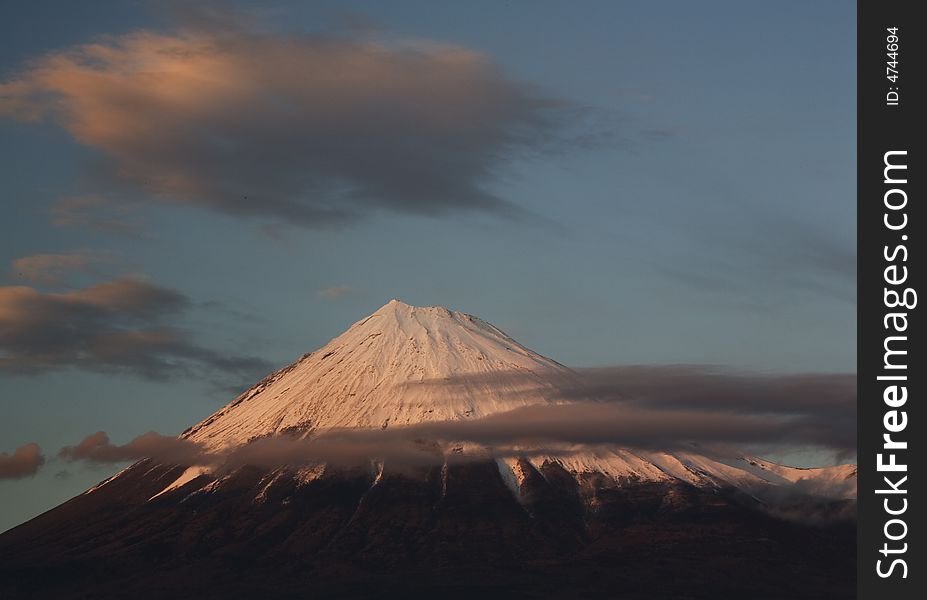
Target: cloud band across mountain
x,y
707,409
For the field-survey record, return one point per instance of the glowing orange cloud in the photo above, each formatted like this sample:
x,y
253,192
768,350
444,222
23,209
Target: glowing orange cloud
x,y
310,129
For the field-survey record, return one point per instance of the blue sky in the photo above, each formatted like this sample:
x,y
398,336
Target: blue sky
x,y
693,201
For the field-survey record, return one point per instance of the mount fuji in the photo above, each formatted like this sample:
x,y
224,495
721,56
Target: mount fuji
x,y
602,522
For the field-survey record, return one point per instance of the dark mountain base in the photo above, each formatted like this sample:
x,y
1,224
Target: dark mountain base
x,y
453,534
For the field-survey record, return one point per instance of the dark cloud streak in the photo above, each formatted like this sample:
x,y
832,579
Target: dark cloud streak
x,y
755,255
813,408
120,325
649,408
98,448
667,408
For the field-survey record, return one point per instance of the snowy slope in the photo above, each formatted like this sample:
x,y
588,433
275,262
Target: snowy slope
x,y
381,373
387,370
533,522
742,472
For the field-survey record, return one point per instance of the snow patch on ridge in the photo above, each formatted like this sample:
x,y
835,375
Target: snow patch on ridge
x,y
511,474
186,477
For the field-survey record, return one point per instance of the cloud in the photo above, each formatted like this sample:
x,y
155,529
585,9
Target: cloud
x,y
24,462
669,408
96,212
97,448
629,426
341,448
349,448
117,325
539,429
305,129
709,387
814,409
737,257
333,293
649,408
54,269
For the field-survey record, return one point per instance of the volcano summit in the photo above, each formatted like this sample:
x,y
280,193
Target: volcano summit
x,y
603,521
366,378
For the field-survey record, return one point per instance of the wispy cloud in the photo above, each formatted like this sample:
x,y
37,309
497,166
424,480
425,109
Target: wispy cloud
x,y
761,258
336,292
96,212
55,269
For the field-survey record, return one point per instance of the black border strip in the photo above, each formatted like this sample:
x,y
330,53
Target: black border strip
x,y
886,124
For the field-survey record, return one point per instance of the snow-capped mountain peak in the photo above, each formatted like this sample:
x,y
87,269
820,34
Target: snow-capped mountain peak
x,y
386,370
405,364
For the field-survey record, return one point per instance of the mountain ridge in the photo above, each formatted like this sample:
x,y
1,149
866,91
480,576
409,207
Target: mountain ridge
x,y
387,370
353,381
589,522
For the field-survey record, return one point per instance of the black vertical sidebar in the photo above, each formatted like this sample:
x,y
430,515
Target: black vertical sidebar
x,y
892,373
